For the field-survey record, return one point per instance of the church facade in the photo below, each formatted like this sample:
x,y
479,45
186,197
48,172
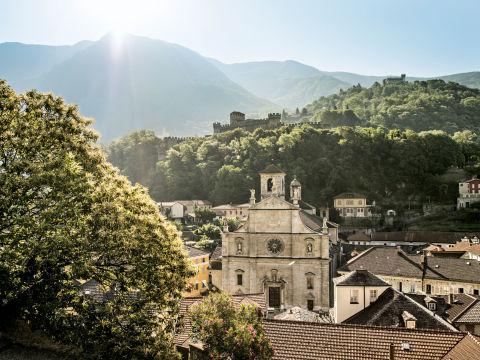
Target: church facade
x,y
281,249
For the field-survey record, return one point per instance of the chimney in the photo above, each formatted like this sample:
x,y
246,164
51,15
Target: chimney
x,y
392,352
450,299
423,261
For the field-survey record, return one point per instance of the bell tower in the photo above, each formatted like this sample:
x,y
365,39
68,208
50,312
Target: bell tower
x,y
272,182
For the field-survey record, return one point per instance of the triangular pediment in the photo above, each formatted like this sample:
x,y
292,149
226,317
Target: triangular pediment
x,y
273,202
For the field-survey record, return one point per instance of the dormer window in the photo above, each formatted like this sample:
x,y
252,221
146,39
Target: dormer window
x,y
432,306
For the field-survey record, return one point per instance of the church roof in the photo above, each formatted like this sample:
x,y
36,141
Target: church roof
x,y
314,222
272,169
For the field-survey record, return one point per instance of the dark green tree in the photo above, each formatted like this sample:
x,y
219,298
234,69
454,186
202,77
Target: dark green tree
x,y
67,216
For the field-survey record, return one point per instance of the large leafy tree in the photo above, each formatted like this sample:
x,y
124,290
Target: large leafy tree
x,y
67,216
228,331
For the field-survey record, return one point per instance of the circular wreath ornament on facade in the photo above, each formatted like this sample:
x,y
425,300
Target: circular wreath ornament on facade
x,y
275,246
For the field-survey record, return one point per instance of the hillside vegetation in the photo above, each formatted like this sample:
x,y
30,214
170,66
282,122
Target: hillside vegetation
x,y
389,166
421,105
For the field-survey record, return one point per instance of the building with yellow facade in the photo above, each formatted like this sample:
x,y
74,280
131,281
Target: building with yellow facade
x,y
352,205
197,284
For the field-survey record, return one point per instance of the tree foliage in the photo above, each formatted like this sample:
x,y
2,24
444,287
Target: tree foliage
x,y
420,106
229,332
386,165
66,215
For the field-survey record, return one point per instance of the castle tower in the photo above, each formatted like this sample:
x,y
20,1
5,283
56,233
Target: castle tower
x,y
236,118
272,182
295,191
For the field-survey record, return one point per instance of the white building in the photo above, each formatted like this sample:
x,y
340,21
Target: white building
x,y
172,209
468,193
239,211
355,291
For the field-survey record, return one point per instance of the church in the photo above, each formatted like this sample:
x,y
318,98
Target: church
x,y
282,249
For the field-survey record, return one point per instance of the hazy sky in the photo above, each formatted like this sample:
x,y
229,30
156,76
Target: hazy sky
x,y
418,37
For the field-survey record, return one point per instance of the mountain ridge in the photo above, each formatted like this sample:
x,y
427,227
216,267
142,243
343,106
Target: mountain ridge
x,y
149,83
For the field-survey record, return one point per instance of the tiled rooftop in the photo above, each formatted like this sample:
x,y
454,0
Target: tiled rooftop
x,y
387,310
194,252
298,314
391,261
303,340
471,315
359,278
467,349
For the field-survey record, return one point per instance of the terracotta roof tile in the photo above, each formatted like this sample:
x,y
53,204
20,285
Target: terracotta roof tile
x,y
391,261
388,310
471,315
467,349
303,340
194,252
359,277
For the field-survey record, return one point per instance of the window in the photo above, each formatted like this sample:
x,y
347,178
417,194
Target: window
x,y
349,202
339,202
431,306
400,286
353,296
460,290
360,202
269,185
412,288
239,279
196,286
310,305
476,292
373,295
309,282
210,278
428,289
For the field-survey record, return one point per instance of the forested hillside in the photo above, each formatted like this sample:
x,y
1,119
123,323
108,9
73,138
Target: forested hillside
x,y
419,105
387,165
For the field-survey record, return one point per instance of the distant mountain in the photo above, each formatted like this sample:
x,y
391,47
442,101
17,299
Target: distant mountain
x,y
288,83
21,62
355,79
135,82
470,79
